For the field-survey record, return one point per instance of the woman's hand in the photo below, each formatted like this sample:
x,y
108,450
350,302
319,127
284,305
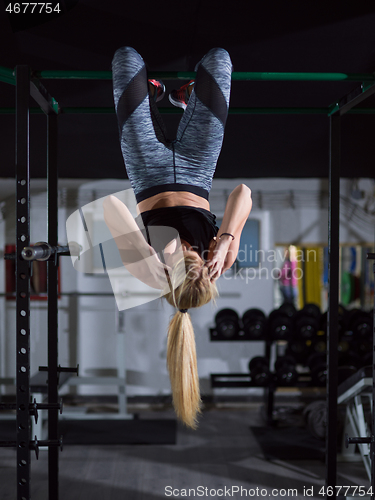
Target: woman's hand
x,y
217,254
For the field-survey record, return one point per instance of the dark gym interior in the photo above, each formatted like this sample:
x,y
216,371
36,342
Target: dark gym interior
x,y
286,374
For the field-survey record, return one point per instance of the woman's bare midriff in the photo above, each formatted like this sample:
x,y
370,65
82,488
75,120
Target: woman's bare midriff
x,y
173,199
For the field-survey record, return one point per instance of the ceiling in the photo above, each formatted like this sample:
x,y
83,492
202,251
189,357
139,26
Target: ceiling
x,y
260,36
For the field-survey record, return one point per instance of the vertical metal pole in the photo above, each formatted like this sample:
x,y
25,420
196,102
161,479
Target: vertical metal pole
x,y
303,265
372,445
269,392
333,299
23,282
52,266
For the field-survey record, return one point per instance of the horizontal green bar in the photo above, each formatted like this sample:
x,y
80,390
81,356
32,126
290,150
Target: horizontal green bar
x,y
232,111
172,75
94,111
236,76
73,75
12,111
278,111
7,79
7,72
187,75
7,75
303,77
174,111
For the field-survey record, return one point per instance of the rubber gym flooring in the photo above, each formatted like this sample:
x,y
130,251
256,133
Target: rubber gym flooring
x,y
231,449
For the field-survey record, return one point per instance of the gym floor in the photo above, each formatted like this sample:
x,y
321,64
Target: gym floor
x,y
222,455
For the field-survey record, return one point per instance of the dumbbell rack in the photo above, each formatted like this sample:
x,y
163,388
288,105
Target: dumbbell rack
x,y
307,322
231,380
269,383
237,380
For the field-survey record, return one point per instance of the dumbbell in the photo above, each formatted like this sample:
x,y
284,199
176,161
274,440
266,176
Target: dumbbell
x,y
305,327
319,343
312,310
358,338
280,325
300,349
341,320
307,322
260,371
254,324
286,373
360,323
227,324
317,363
288,309
348,348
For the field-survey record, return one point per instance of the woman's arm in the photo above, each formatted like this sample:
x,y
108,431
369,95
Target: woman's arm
x,y
123,227
237,211
138,257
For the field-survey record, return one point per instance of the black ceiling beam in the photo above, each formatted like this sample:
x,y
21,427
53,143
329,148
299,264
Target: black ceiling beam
x,y
355,97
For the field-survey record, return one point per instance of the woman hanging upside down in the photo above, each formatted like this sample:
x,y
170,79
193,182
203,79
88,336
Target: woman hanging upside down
x,y
171,182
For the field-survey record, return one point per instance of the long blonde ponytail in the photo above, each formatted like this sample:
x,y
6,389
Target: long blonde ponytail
x,y
194,290
182,367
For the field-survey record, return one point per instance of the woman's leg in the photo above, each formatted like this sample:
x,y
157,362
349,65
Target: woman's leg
x,y
143,138
201,130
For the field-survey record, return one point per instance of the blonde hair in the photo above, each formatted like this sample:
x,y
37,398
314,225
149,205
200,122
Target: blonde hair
x,y
190,287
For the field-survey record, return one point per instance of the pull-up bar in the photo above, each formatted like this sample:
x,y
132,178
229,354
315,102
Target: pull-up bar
x,y
7,76
238,76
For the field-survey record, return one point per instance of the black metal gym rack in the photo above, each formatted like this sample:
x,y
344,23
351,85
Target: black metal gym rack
x,y
27,84
369,439
372,445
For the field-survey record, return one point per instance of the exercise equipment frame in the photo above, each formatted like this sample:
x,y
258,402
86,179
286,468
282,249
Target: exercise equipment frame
x,y
26,85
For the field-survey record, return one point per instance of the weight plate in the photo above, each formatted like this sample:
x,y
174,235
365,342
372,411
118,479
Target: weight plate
x,y
319,374
283,360
346,287
227,314
312,310
252,314
317,420
288,309
317,358
258,361
227,323
280,326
